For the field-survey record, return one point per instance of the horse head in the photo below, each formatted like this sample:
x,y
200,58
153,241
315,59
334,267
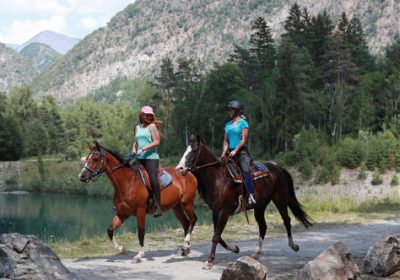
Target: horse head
x,y
191,156
95,163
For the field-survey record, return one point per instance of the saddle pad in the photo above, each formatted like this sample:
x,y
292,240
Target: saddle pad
x,y
257,171
165,179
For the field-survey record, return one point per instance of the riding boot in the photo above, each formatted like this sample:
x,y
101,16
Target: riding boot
x,y
158,211
248,182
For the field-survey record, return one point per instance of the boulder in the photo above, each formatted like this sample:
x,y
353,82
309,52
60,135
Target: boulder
x,y
335,263
383,259
26,257
243,269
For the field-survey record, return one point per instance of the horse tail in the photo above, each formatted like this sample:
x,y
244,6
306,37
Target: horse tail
x,y
294,204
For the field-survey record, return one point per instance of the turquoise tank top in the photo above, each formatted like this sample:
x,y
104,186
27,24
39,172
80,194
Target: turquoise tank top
x,y
143,138
234,132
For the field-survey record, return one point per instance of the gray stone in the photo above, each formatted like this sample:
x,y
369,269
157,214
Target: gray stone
x,y
26,257
335,263
383,259
243,269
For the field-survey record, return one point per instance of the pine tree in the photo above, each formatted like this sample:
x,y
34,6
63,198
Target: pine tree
x,y
166,81
295,25
262,43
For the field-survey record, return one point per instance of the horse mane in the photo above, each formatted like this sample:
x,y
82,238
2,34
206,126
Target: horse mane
x,y
117,156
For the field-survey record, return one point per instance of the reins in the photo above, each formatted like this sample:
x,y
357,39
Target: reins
x,y
195,168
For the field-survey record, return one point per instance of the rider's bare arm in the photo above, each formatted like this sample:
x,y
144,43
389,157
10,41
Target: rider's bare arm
x,y
225,145
134,146
155,134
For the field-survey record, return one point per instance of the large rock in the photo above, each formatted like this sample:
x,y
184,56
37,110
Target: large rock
x,y
26,257
335,263
383,259
243,269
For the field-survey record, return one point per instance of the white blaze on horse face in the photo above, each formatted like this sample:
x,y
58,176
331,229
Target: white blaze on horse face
x,y
182,162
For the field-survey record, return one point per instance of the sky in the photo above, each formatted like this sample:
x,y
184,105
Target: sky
x,y
20,20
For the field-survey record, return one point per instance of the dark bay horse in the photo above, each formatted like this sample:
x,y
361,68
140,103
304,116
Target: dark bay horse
x,y
222,195
131,195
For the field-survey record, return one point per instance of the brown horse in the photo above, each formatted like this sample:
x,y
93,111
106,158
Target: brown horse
x,y
222,195
131,195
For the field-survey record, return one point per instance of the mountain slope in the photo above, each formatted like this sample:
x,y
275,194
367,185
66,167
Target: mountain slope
x,y
137,38
61,43
15,69
41,55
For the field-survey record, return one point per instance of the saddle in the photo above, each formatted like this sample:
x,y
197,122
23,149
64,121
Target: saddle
x,y
257,171
164,178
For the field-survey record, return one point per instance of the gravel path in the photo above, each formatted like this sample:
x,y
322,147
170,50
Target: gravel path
x,y
281,261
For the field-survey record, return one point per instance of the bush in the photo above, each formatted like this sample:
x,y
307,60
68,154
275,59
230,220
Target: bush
x,y
308,145
305,167
363,173
394,181
376,178
72,153
329,172
350,153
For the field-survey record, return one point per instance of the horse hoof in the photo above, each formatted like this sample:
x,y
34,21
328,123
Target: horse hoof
x,y
136,260
295,247
207,266
184,252
122,253
237,250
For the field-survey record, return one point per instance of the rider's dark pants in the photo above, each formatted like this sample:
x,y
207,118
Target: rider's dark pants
x,y
151,166
244,159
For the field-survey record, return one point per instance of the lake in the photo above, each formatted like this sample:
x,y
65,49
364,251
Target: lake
x,y
70,217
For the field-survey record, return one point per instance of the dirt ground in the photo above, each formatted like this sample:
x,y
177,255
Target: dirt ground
x,y
281,261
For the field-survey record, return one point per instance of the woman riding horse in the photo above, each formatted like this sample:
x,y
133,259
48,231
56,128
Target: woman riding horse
x,y
131,195
147,139
222,195
235,139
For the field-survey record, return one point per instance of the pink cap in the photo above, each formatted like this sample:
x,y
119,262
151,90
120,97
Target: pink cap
x,y
147,110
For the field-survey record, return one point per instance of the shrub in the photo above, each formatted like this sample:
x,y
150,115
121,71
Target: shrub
x,y
363,173
394,181
376,178
329,172
72,153
305,167
350,153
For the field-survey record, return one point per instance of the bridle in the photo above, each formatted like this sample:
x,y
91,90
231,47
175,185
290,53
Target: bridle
x,y
196,167
95,173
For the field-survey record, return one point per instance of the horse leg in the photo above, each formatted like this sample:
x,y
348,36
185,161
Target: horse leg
x,y
234,249
188,208
140,222
116,223
221,220
283,211
180,215
262,228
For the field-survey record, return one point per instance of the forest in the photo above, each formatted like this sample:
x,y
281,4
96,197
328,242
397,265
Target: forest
x,y
315,98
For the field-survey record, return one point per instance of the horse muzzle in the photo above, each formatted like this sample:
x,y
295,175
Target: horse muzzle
x,y
84,177
182,170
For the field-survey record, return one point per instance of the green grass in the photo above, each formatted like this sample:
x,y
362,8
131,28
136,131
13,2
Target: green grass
x,y
325,213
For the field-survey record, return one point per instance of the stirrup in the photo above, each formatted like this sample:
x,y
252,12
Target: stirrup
x,y
158,211
250,200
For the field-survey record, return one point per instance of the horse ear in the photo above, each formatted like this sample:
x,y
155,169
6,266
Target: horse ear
x,y
97,145
198,139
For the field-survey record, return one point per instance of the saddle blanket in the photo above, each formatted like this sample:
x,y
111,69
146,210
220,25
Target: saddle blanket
x,y
257,171
164,178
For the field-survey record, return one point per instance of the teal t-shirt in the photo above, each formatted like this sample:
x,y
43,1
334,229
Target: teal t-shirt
x,y
143,138
234,132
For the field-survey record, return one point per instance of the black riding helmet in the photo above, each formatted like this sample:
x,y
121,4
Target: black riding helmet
x,y
235,104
